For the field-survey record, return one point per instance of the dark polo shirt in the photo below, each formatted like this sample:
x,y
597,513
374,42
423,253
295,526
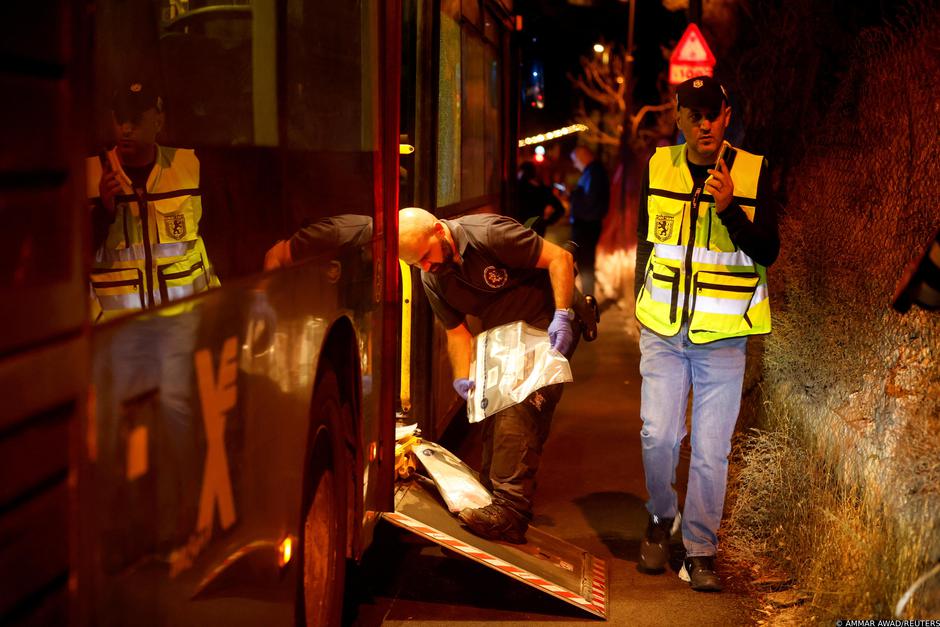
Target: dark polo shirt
x,y
497,280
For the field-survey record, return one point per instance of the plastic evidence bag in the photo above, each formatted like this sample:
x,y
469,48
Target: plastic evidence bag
x,y
508,363
454,479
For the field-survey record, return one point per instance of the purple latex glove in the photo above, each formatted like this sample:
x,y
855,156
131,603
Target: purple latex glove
x,y
560,333
463,387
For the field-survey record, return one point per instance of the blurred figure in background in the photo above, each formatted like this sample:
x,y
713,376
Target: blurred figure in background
x,y
538,205
589,203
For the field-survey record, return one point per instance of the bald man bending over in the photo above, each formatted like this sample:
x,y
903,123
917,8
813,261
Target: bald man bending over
x,y
491,267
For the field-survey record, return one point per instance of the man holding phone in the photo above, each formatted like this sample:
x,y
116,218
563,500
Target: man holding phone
x,y
707,232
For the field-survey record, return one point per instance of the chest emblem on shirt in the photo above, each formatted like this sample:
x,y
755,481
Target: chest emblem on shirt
x,y
175,225
664,227
495,277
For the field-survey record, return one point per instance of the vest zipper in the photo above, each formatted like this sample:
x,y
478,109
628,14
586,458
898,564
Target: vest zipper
x,y
127,233
689,249
726,288
708,240
148,254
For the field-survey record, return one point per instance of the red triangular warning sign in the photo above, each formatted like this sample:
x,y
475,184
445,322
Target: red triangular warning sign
x,y
692,48
691,57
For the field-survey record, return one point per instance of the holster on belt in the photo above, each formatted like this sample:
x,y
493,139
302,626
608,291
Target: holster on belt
x,y
585,309
585,306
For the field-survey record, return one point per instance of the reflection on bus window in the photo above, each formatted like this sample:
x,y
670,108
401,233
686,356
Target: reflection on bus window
x,y
217,67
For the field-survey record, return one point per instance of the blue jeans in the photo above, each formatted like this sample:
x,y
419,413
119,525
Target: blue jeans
x,y
670,366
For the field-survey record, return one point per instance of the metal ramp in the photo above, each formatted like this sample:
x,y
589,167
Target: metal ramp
x,y
544,562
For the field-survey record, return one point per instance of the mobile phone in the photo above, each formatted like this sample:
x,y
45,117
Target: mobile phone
x,y
558,186
721,152
727,152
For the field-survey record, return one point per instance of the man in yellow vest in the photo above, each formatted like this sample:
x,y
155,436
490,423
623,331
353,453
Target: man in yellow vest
x,y
707,232
145,209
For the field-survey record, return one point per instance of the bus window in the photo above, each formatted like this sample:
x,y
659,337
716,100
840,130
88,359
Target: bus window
x,y
329,60
267,167
449,97
470,130
218,61
493,140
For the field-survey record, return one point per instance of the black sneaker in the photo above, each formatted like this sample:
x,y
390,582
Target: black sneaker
x,y
654,548
495,522
700,572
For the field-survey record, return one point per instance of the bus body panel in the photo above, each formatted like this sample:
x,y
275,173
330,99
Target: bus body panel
x,y
197,447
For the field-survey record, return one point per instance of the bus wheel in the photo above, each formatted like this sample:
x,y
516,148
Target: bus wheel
x,y
324,532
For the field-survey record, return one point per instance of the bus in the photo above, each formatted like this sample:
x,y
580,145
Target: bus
x,y
218,459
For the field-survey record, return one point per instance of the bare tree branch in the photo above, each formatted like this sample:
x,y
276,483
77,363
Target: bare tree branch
x,y
603,81
638,117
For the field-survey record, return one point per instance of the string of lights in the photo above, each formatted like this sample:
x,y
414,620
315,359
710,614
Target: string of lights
x,y
543,137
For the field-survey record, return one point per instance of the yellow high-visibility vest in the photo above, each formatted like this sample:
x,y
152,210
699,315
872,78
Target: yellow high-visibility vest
x,y
153,253
722,288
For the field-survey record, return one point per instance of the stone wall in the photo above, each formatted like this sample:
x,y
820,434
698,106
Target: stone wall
x,y
845,100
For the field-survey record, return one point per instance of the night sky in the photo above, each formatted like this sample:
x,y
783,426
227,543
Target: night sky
x,y
557,34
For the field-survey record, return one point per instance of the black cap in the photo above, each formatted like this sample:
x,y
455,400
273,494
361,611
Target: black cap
x,y
132,99
701,92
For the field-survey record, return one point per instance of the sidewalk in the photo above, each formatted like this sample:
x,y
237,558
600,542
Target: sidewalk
x,y
592,491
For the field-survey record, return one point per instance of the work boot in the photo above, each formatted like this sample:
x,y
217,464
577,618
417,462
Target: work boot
x,y
654,548
699,571
495,522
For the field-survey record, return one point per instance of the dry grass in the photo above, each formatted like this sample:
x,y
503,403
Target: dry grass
x,y
792,522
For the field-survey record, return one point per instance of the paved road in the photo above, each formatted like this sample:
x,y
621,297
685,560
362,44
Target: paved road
x,y
591,493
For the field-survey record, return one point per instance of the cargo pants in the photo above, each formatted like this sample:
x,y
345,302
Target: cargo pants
x,y
512,448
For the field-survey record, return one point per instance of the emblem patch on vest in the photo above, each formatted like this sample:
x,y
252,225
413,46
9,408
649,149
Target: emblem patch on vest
x,y
664,227
175,225
495,277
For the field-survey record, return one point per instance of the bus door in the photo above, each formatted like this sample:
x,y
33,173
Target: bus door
x,y
459,114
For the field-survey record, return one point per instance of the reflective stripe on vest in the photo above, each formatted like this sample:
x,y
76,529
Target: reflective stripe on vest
x,y
115,302
198,284
128,294
727,291
702,256
105,257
